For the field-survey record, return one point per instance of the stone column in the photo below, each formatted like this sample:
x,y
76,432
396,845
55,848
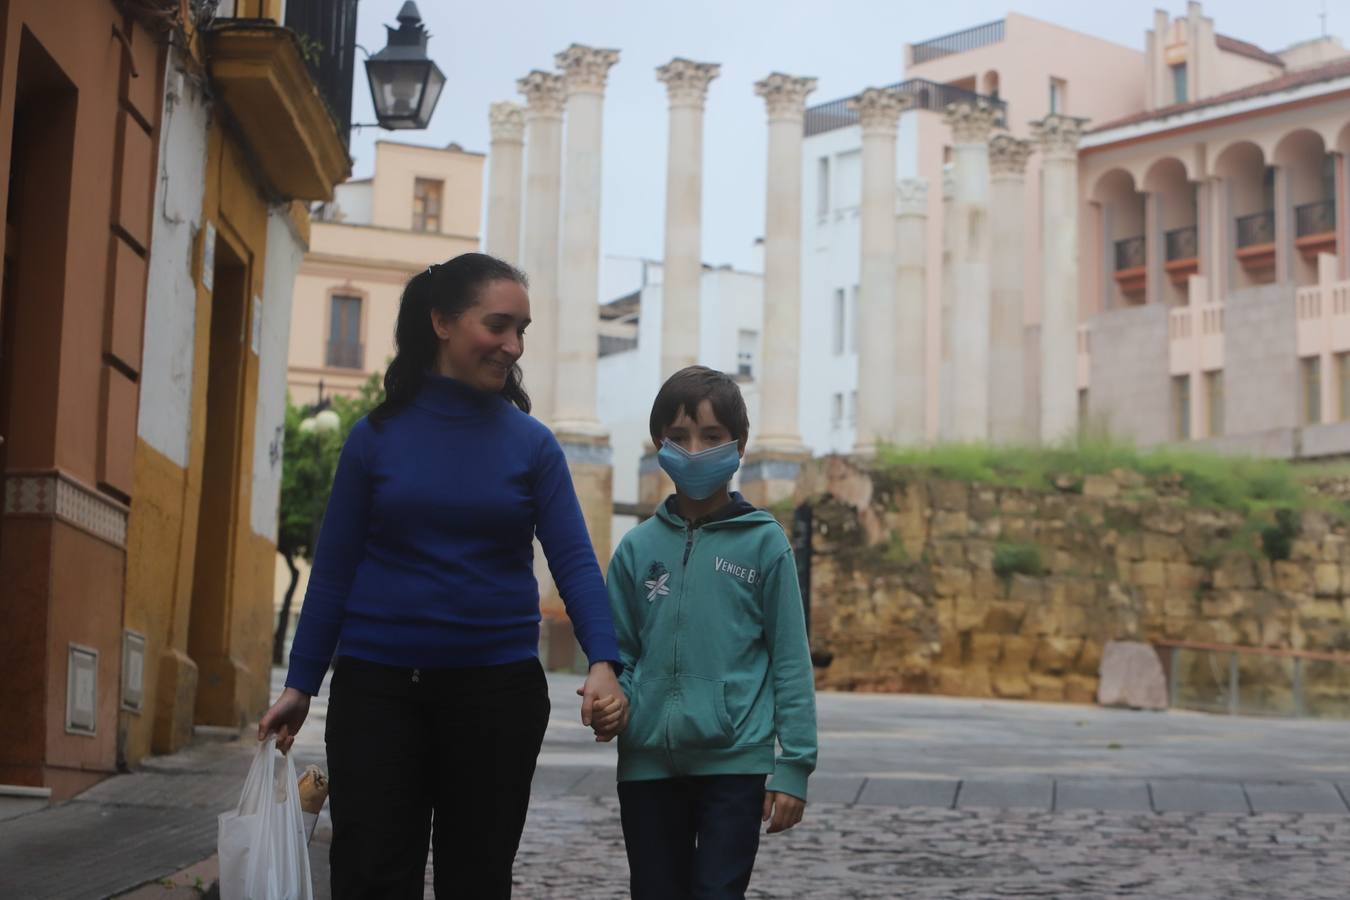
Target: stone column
x,y
506,161
971,125
947,290
539,252
682,269
1007,192
584,70
911,311
770,472
1057,139
879,111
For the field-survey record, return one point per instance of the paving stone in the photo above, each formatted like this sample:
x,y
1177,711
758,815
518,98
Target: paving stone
x,y
554,780
1104,794
834,788
1198,796
1034,794
595,783
909,792
1310,797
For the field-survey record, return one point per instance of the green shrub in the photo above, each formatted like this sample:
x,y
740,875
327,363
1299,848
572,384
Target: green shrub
x,y
1017,559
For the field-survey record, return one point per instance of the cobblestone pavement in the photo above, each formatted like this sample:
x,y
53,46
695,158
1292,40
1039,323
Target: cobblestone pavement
x,y
573,848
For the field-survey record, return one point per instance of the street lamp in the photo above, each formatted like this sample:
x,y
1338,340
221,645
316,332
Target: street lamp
x,y
325,421
404,83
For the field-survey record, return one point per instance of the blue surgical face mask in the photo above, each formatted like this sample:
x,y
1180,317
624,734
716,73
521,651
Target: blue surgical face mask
x,y
699,475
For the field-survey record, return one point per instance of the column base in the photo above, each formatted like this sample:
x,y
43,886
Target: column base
x,y
175,704
654,485
768,477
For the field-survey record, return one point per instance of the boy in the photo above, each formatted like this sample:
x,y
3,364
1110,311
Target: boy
x,y
712,638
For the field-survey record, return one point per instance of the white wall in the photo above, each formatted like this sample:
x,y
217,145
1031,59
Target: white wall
x,y
356,200
165,416
284,254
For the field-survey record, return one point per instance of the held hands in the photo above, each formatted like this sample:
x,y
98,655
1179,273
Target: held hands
x,y
285,718
604,708
782,811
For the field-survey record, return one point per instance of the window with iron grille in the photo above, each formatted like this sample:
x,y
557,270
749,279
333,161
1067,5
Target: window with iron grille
x,y
1214,401
344,332
1311,368
427,204
1181,407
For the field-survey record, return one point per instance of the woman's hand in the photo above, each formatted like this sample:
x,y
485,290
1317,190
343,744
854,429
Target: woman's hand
x,y
601,682
784,810
285,718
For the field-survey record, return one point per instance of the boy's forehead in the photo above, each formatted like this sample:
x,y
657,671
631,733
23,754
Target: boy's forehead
x,y
705,418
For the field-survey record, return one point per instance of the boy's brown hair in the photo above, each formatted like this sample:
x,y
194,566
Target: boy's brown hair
x,y
687,389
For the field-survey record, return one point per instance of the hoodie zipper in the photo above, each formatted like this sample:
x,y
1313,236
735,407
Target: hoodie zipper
x,y
689,533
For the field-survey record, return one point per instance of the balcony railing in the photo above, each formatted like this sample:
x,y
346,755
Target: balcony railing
x,y
959,41
345,355
1315,218
327,31
1257,228
1130,253
928,95
1182,243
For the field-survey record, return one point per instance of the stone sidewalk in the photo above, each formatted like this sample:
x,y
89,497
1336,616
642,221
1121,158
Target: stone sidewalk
x,y
921,796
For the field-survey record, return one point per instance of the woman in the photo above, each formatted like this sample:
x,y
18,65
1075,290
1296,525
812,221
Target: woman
x,y
423,581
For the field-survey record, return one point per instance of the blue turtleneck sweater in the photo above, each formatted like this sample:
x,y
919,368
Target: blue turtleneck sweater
x,y
425,558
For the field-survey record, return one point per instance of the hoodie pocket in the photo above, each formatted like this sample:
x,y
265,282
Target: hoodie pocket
x,y
647,715
698,717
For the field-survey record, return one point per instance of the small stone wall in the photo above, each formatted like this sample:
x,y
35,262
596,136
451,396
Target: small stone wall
x,y
906,596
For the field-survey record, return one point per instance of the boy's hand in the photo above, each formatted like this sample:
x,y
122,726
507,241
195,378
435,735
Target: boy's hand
x,y
600,682
609,716
784,809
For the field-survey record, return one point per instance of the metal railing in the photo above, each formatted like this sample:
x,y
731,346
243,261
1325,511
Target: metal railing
x,y
1279,682
612,343
1315,218
327,31
345,355
959,41
1130,253
928,95
1257,228
1182,243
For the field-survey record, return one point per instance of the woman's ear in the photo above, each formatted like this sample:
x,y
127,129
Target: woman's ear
x,y
441,324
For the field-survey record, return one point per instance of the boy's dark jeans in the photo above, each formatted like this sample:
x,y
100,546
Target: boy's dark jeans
x,y
693,837
457,743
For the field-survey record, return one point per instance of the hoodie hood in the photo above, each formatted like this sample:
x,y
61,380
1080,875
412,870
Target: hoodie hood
x,y
739,513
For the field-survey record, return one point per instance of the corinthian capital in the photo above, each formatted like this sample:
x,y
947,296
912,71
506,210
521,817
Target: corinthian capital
x,y
585,69
971,121
687,81
785,95
879,109
1057,136
911,197
507,122
543,92
1008,155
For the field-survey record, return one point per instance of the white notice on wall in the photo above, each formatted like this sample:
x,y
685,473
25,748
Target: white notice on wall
x,y
255,344
209,257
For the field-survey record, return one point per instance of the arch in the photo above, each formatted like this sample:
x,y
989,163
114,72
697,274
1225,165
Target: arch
x,y
1166,173
1113,184
1342,142
989,83
1297,146
1238,155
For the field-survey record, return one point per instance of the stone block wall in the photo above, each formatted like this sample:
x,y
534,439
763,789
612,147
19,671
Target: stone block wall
x,y
910,588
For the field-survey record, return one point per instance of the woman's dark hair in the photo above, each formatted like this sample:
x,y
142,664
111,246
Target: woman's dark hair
x,y
451,288
686,390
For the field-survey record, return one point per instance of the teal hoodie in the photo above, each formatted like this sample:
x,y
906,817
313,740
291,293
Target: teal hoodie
x,y
712,636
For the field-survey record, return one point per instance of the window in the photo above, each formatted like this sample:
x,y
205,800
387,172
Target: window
x,y
1082,410
837,411
427,204
1312,389
823,186
1181,407
1179,94
1058,99
344,332
840,321
745,353
1214,402
853,320
848,180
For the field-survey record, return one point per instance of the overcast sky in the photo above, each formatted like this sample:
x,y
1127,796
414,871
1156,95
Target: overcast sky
x,y
483,47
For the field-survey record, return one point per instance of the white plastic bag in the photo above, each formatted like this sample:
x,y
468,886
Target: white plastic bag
x,y
262,841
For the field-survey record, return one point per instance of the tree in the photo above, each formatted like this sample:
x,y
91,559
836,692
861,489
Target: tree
x,y
309,460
